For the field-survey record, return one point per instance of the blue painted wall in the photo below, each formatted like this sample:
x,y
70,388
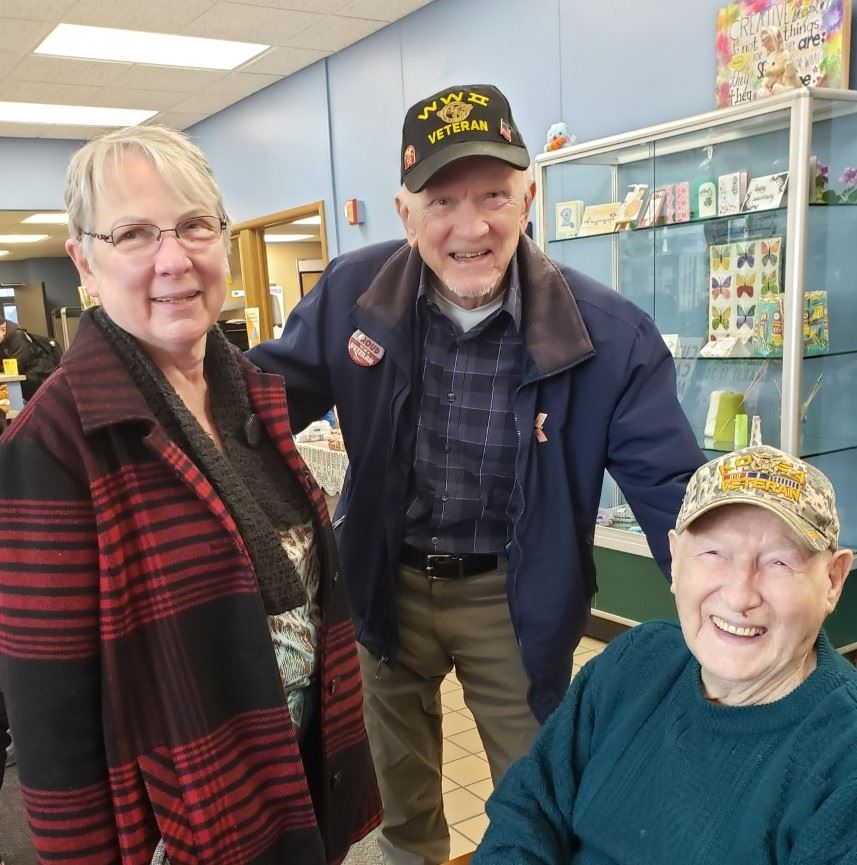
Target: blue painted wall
x,y
271,151
32,172
332,131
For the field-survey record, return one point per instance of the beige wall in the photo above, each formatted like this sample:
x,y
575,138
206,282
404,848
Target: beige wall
x,y
283,269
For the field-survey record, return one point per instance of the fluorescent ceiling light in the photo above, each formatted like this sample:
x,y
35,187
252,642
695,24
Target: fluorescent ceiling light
x,y
71,115
137,46
46,219
308,220
287,238
4,252
22,238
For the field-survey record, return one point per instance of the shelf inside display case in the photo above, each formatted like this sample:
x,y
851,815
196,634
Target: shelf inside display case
x,y
743,225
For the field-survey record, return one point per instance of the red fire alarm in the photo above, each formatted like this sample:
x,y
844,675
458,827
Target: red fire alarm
x,y
354,211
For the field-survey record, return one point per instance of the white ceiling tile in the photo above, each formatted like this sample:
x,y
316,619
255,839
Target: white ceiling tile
x,y
17,35
21,130
8,62
380,10
283,61
13,90
207,103
42,10
140,77
158,16
177,119
383,10
121,97
323,7
249,24
405,7
82,133
240,84
335,32
64,70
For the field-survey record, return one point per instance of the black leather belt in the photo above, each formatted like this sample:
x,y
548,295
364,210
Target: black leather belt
x,y
447,566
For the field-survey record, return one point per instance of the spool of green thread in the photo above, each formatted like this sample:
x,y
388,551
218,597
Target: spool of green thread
x,y
741,432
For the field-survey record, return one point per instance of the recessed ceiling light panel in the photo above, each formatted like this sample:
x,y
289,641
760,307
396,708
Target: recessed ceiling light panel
x,y
22,238
46,219
287,238
71,115
154,49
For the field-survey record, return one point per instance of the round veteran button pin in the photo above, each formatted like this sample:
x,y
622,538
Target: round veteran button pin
x,y
364,351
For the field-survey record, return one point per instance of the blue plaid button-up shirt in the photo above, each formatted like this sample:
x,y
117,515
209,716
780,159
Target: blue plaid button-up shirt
x,y
464,459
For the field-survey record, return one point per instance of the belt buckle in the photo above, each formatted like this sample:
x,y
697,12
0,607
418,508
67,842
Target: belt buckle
x,y
442,558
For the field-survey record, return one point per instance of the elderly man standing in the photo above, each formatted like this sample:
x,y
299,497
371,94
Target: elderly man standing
x,y
482,391
730,739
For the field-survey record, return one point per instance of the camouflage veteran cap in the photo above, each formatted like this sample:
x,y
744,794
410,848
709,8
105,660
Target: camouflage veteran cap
x,y
459,121
795,491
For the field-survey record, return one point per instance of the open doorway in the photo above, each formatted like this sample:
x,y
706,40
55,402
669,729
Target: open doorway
x,y
271,260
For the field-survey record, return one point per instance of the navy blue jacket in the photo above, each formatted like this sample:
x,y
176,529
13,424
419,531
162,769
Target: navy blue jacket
x,y
595,364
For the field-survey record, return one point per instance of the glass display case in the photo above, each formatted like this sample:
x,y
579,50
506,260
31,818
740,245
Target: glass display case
x,y
736,230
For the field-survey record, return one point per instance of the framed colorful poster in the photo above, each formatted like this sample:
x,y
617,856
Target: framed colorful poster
x,y
766,47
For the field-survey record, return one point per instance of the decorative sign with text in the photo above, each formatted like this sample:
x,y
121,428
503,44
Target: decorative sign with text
x,y
766,47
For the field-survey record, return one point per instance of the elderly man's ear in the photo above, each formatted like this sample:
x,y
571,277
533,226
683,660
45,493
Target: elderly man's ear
x,y
529,196
404,211
673,539
840,566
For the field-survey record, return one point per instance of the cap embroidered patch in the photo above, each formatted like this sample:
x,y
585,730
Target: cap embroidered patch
x,y
363,350
455,112
765,472
505,130
410,157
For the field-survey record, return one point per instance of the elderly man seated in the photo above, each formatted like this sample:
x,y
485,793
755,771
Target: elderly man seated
x,y
732,739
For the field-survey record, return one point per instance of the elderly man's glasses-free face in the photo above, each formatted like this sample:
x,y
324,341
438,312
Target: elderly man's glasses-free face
x,y
142,239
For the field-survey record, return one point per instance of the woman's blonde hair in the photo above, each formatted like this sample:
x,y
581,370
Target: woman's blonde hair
x,y
175,157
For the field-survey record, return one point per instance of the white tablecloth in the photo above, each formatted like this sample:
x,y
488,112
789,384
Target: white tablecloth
x,y
328,466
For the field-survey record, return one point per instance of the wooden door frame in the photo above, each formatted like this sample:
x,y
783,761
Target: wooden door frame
x,y
254,260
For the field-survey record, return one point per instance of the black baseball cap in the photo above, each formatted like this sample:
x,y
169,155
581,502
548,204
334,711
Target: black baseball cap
x,y
456,122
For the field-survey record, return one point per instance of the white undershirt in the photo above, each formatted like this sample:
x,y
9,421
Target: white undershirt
x,y
464,319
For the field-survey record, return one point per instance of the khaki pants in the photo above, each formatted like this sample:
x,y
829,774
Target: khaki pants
x,y
464,624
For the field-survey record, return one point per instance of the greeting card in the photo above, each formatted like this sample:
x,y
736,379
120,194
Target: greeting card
x,y
740,274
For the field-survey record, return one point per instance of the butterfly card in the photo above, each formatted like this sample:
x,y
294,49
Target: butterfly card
x,y
740,273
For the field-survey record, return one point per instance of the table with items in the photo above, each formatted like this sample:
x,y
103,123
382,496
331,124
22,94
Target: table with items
x,y
11,398
328,464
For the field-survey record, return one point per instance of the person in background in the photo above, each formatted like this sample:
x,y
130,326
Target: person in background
x,y
729,738
482,390
175,649
37,355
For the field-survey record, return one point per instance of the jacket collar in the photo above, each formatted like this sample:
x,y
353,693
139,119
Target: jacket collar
x,y
100,384
554,331
105,393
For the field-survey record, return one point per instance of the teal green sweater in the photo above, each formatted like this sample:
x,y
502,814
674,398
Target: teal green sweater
x,y
635,767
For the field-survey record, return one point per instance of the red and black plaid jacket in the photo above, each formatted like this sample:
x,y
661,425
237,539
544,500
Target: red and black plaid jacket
x,y
135,655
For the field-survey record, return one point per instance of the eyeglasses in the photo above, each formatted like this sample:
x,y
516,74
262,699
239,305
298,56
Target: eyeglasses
x,y
143,239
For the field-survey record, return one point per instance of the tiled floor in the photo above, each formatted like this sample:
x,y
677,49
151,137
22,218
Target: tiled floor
x,y
467,780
